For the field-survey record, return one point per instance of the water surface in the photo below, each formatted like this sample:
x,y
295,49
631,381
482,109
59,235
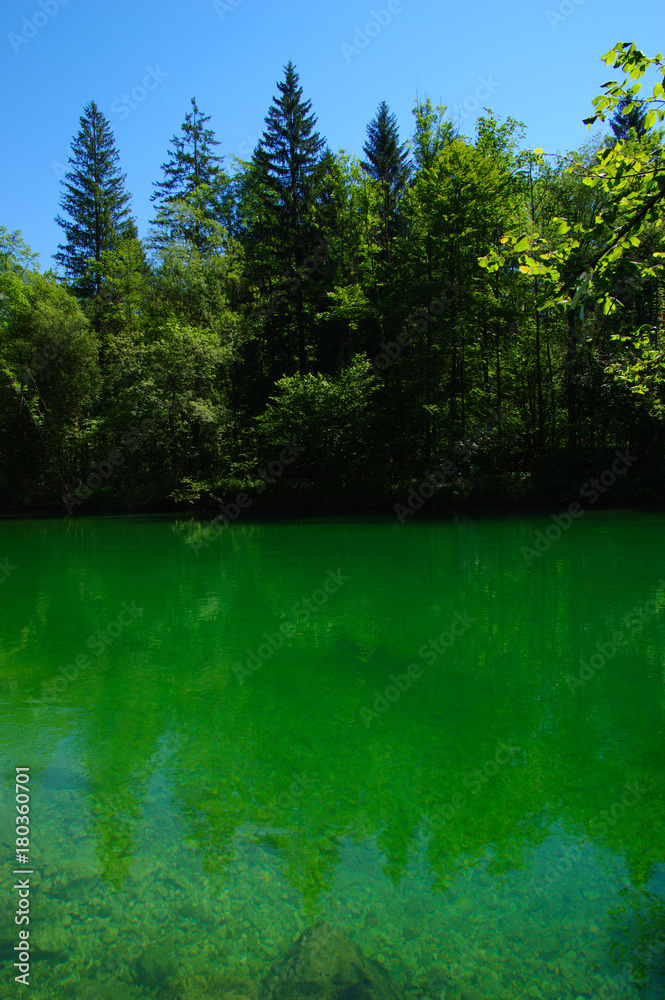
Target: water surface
x,y
258,734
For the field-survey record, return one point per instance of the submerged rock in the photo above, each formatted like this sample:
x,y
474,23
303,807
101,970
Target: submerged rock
x,y
324,964
222,987
61,779
437,979
156,967
50,940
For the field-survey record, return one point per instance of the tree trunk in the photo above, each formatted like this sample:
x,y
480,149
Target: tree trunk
x,y
571,392
539,374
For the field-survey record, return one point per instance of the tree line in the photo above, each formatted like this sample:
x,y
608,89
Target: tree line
x,y
369,311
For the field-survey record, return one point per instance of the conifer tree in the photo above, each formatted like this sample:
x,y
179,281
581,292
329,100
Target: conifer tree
x,y
96,202
287,160
289,151
189,198
623,122
387,164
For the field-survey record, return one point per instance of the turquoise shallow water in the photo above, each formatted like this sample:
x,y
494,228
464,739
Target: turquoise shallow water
x,y
451,751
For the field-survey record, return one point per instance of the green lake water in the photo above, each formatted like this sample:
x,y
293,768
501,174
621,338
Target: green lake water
x,y
259,734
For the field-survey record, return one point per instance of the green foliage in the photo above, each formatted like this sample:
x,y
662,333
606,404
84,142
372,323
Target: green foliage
x,y
282,237
627,124
49,381
190,196
432,131
640,365
174,389
123,273
331,418
15,254
288,152
475,276
580,265
387,164
387,160
193,288
95,200
632,179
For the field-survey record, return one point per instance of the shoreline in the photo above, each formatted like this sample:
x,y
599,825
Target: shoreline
x,y
295,509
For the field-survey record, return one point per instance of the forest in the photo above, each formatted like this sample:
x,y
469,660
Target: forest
x,y
447,321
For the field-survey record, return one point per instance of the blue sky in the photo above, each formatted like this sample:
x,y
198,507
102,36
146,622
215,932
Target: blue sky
x,y
535,60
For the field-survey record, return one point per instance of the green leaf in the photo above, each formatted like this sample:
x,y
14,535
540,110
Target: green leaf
x,y
578,295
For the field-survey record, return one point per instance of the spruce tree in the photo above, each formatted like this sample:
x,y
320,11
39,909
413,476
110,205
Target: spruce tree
x,y
387,164
189,198
623,123
96,202
286,161
288,152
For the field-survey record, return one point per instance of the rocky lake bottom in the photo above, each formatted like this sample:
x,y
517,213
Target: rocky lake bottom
x,y
444,759
171,929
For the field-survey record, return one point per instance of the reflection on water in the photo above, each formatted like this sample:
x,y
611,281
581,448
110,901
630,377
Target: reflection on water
x,y
484,832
